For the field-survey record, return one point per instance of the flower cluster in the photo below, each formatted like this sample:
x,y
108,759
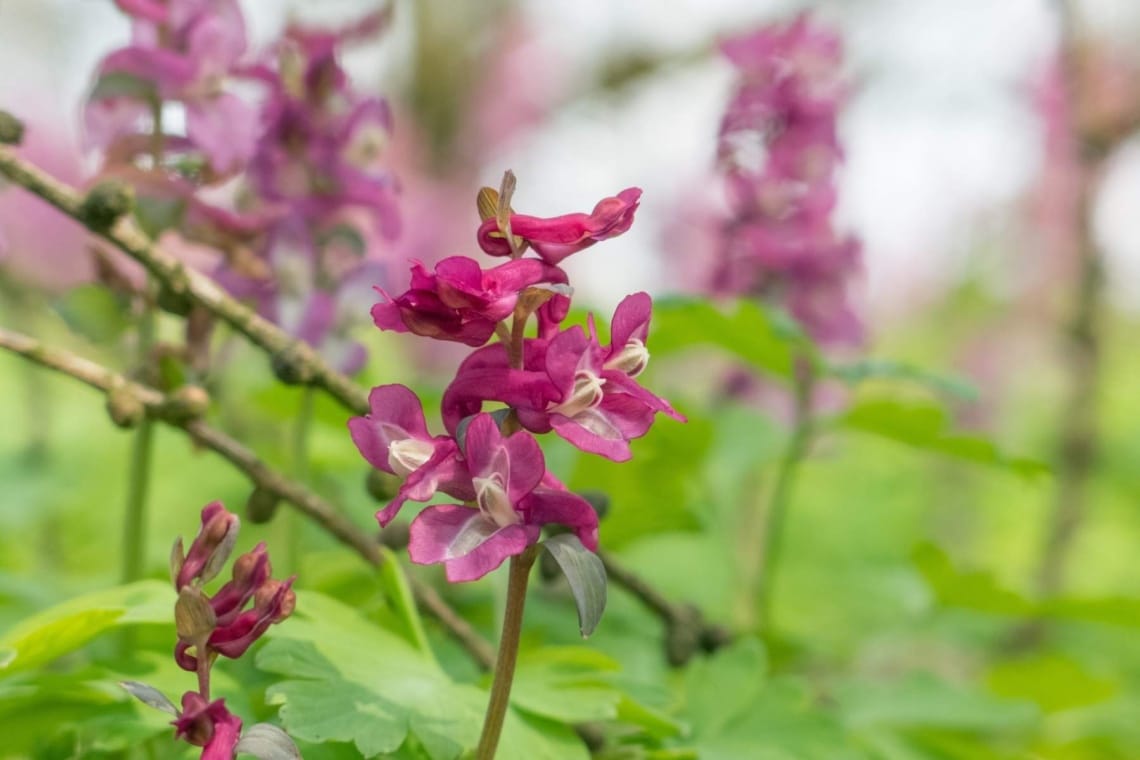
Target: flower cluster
x,y
225,623
778,151
313,202
555,379
184,52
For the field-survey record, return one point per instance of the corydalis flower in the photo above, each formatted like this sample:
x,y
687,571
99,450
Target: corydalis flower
x,y
394,438
208,725
460,301
570,384
778,150
557,237
181,51
514,498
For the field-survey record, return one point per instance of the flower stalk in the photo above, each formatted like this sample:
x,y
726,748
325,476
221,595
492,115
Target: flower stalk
x,y
507,658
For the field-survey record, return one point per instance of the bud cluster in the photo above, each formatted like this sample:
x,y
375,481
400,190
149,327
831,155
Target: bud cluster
x,y
225,624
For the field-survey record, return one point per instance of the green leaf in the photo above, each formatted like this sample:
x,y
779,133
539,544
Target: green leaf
x,y
585,574
925,425
66,627
1052,681
655,491
975,590
94,312
351,681
568,684
117,84
923,700
767,340
394,582
866,370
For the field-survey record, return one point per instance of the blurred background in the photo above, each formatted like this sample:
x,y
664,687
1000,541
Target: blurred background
x,y
913,568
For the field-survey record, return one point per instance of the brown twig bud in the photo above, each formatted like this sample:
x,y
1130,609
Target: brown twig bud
x,y
11,129
187,403
381,486
124,408
105,204
261,505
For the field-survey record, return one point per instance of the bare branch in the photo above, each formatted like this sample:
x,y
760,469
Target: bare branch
x,y
168,410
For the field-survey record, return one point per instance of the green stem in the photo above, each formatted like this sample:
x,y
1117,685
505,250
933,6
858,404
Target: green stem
x,y
508,653
778,505
138,478
290,537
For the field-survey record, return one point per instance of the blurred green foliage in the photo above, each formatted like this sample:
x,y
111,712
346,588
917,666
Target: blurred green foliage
x,y
901,614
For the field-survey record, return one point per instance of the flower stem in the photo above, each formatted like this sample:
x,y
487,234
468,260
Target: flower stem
x,y
508,653
289,538
138,478
781,498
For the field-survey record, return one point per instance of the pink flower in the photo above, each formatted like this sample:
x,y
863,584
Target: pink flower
x,y
184,50
778,150
394,438
570,384
557,237
512,505
461,302
208,725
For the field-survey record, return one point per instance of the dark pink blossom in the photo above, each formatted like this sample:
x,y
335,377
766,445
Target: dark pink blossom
x,y
510,507
570,384
557,237
778,150
461,302
394,438
208,725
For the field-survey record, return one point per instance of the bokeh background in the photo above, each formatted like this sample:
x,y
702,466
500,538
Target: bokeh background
x,y
910,576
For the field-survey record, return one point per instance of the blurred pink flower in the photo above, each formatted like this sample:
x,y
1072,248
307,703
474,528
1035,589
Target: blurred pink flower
x,y
778,151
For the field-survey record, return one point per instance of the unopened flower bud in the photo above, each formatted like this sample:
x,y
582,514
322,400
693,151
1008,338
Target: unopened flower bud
x,y
261,506
11,129
289,369
187,403
395,536
124,408
599,500
381,486
105,204
173,302
212,546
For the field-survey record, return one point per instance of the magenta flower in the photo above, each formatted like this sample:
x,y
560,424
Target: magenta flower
x,y
570,384
510,510
779,150
208,725
557,237
461,302
394,438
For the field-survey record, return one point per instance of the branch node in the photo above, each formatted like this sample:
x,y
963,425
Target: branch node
x,y
290,367
105,204
189,402
11,129
124,407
